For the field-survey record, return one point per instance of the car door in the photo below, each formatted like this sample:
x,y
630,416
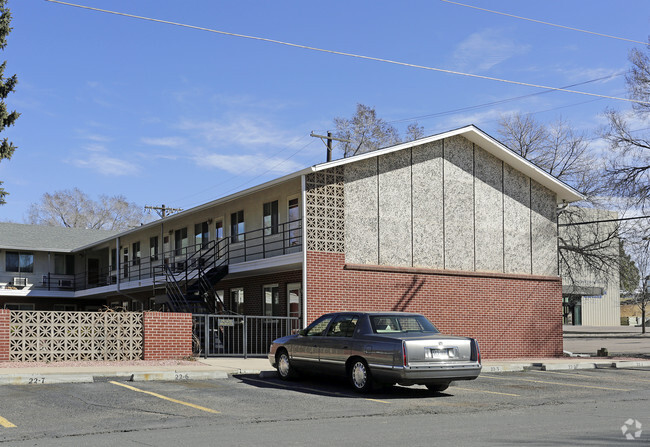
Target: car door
x,y
337,343
305,348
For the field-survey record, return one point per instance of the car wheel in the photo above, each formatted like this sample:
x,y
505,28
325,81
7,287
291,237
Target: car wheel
x,y
437,387
359,375
285,370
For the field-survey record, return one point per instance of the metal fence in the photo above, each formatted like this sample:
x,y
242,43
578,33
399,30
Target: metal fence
x,y
40,336
238,335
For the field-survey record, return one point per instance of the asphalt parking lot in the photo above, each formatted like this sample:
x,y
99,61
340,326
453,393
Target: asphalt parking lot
x,y
590,407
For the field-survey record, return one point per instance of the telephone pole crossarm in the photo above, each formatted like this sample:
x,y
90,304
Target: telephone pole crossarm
x,y
329,138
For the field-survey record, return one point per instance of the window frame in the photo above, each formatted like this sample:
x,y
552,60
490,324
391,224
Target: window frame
x,y
274,306
20,267
237,226
271,217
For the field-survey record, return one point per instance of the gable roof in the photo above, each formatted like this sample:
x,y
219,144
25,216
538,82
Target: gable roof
x,y
15,236
564,192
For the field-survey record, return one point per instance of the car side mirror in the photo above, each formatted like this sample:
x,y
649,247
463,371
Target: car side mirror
x,y
302,332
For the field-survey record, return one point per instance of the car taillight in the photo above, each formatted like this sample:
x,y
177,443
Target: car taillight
x,y
476,352
404,352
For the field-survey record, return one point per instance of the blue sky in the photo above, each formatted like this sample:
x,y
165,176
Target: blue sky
x,y
168,115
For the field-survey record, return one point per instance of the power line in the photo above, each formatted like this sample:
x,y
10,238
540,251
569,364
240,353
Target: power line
x,y
358,56
603,221
501,101
545,23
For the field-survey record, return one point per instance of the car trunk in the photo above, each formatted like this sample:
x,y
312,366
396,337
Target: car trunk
x,y
427,350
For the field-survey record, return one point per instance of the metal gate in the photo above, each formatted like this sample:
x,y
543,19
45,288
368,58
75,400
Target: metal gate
x,y
238,335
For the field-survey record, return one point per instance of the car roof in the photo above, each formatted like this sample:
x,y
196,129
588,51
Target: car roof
x,y
373,312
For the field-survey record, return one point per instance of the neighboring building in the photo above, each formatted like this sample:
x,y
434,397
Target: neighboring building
x,y
591,295
455,226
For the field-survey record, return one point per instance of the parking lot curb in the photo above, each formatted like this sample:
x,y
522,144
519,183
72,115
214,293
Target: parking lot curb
x,y
506,367
44,379
178,375
632,364
268,374
574,366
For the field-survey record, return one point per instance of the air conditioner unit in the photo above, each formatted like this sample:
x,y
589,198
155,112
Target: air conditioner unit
x,y
20,282
65,283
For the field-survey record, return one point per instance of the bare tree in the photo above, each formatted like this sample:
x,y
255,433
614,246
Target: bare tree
x,y
74,209
365,130
629,169
556,148
413,132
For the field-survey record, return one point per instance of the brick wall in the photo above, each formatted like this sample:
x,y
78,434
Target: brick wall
x,y
511,316
4,335
167,335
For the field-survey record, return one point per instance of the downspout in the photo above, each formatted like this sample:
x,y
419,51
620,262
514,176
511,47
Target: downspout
x,y
303,198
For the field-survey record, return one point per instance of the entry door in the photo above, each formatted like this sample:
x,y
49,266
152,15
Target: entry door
x,y
294,304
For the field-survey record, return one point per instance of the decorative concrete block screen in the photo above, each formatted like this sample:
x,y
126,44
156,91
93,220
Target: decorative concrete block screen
x,y
39,336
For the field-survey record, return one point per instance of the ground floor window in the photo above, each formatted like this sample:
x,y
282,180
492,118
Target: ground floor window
x,y
19,306
271,300
237,300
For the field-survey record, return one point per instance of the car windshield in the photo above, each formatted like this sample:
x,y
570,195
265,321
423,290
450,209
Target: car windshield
x,y
393,324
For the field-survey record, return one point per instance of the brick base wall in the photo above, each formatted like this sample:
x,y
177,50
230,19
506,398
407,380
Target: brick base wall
x,y
167,335
4,334
511,316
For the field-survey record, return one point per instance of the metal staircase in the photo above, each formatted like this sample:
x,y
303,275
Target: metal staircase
x,y
190,283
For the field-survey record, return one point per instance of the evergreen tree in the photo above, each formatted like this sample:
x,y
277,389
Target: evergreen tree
x,y
7,86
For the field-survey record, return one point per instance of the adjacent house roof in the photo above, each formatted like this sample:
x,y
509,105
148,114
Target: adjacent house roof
x,y
15,236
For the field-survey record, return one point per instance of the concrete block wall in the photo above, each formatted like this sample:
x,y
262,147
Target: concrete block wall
x,y
167,335
511,316
4,334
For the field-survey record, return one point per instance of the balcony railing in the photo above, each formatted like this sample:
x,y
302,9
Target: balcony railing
x,y
256,244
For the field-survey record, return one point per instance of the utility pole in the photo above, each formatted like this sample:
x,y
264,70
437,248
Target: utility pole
x,y
329,138
163,211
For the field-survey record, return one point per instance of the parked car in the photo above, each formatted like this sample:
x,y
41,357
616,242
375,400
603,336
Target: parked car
x,y
377,347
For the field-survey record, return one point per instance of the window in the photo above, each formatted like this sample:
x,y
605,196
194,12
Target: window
x,y
219,230
237,227
318,327
136,253
63,264
19,262
294,223
343,326
125,260
237,300
390,323
19,306
201,234
113,259
270,218
180,241
271,300
153,248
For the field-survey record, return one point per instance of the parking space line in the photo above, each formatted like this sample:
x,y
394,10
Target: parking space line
x,y
5,423
484,391
160,396
590,376
555,383
333,393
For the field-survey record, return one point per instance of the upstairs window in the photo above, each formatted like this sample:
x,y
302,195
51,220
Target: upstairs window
x,y
63,264
19,262
271,218
180,241
136,253
237,227
201,234
153,248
